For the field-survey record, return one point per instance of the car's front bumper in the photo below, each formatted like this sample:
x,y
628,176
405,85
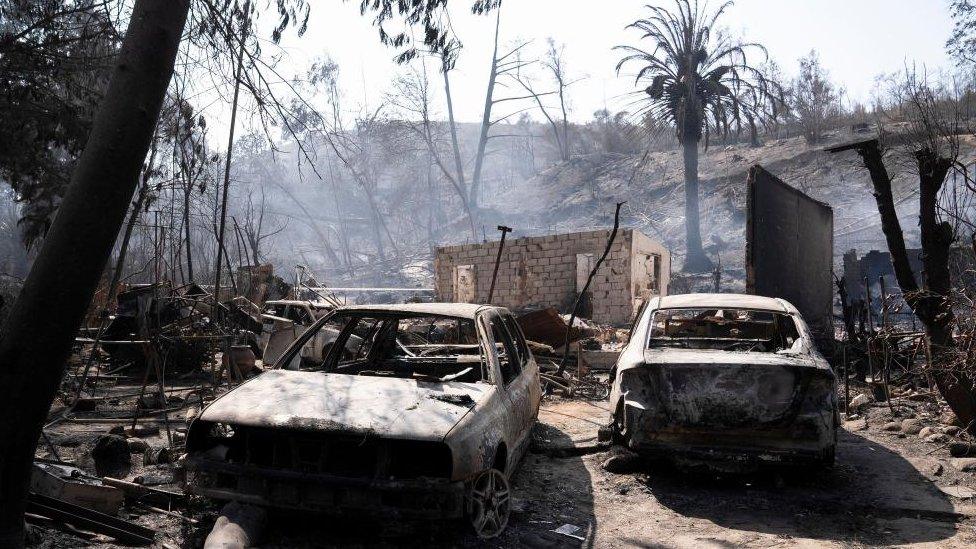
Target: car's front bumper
x,y
286,489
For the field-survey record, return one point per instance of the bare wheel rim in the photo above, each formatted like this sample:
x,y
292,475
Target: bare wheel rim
x,y
490,504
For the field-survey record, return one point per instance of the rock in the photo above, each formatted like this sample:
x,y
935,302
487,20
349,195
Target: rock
x,y
927,431
152,401
961,492
137,445
962,449
238,526
143,431
949,418
859,402
911,426
179,438
952,430
621,460
856,425
155,456
966,465
191,413
891,426
111,456
937,438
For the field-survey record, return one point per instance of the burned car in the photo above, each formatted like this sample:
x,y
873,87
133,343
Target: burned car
x,y
724,380
416,411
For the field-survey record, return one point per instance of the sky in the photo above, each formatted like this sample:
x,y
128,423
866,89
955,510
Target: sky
x,y
857,40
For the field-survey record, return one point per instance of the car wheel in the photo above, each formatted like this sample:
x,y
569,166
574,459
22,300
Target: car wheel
x,y
489,504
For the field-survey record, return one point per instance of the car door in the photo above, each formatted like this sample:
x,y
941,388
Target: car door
x,y
514,385
530,370
526,390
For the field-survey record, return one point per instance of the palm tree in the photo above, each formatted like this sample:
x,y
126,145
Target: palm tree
x,y
700,83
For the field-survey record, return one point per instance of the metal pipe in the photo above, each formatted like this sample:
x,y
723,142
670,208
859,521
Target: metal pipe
x,y
498,259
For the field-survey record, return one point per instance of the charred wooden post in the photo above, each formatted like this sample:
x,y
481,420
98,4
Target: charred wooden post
x,y
586,287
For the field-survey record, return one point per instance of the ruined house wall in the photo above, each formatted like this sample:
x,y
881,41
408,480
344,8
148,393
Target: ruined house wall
x,y
789,248
542,271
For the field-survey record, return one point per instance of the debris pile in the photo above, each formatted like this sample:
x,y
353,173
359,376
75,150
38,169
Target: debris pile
x,y
109,464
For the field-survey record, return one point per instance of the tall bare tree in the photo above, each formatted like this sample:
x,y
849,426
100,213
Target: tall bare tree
x,y
814,99
557,116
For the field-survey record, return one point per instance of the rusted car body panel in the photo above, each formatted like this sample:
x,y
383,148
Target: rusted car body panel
x,y
721,405
342,443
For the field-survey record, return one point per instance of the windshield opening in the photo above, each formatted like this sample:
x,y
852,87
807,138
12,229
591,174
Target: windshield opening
x,y
723,329
422,347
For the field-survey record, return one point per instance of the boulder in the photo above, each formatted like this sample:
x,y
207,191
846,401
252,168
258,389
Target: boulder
x,y
111,456
966,465
891,426
621,460
156,456
937,438
949,418
911,426
137,445
859,402
962,449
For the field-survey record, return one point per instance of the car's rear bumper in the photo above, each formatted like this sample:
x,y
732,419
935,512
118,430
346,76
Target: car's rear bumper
x,y
806,438
285,489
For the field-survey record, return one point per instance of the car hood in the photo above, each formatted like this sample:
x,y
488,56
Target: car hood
x,y
315,401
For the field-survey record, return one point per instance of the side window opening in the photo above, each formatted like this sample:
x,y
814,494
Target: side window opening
x,y
516,335
508,357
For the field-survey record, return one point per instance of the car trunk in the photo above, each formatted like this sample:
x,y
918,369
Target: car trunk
x,y
716,390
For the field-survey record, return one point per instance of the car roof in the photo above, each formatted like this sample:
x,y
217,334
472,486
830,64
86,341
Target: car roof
x,y
458,310
731,301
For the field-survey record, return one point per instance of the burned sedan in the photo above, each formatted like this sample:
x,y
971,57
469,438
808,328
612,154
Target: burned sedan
x,y
416,411
724,380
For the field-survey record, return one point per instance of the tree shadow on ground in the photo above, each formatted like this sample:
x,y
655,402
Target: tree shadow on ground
x,y
871,496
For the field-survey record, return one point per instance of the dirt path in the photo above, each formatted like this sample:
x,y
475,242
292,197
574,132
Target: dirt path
x,y
874,496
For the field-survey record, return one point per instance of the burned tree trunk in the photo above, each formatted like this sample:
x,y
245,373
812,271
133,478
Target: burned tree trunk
x,y
38,334
695,259
931,301
933,304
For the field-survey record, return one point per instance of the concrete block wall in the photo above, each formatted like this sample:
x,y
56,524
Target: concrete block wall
x,y
541,272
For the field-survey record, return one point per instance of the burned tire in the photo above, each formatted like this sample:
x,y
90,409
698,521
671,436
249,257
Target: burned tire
x,y
489,504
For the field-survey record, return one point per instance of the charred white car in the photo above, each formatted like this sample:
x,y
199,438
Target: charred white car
x,y
419,410
724,379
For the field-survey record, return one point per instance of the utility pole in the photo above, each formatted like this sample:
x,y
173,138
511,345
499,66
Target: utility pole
x,y
498,259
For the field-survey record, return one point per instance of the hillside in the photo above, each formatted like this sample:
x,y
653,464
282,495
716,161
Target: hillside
x,y
580,194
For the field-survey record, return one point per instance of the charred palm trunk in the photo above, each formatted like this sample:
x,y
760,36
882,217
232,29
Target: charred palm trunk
x,y
695,261
39,333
